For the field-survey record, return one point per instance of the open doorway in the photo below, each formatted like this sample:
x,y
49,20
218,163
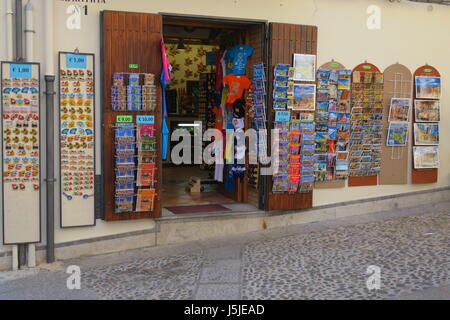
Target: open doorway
x,y
202,52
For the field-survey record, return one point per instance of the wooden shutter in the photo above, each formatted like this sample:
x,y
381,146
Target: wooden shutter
x,y
284,41
129,38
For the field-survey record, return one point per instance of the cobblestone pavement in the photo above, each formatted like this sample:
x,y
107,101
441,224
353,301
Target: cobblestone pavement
x,y
326,260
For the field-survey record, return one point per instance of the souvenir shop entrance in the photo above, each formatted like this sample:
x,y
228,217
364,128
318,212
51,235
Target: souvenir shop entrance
x,y
135,126
201,52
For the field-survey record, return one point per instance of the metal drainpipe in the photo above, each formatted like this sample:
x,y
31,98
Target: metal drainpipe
x,y
29,56
19,57
50,180
19,31
10,57
50,93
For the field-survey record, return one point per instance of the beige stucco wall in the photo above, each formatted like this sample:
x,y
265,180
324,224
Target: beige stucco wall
x,y
409,34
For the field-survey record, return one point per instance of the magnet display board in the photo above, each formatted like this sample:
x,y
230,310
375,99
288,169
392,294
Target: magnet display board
x,y
77,139
398,83
20,107
332,65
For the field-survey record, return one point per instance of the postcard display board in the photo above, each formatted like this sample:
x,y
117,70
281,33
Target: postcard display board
x,y
427,95
367,125
20,88
332,125
133,99
397,104
77,139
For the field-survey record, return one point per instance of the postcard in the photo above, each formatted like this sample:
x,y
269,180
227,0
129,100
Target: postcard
x,y
294,180
305,67
306,116
320,170
145,200
322,117
281,183
344,84
282,70
307,127
332,118
332,106
427,110
342,156
323,95
428,87
426,157
398,134
306,183
304,97
332,133
426,134
322,106
399,110
323,74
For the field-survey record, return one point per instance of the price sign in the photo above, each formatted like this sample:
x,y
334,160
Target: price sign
x,y
20,71
76,61
124,119
282,116
145,120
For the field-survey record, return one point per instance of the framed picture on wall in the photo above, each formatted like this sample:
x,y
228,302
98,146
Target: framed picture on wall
x,y
304,97
426,134
398,134
426,157
428,87
427,110
304,67
399,111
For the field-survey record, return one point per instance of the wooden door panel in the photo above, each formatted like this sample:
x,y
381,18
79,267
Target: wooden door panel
x,y
285,40
129,38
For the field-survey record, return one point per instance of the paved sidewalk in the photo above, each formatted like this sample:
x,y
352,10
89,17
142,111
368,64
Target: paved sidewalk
x,y
325,260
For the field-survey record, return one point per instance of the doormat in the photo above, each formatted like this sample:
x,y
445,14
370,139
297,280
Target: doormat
x,y
198,209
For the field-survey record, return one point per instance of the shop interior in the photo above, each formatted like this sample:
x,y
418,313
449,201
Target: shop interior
x,y
193,96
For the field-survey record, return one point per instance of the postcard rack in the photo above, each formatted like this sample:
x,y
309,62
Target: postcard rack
x,y
133,169
366,133
426,153
397,104
333,106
